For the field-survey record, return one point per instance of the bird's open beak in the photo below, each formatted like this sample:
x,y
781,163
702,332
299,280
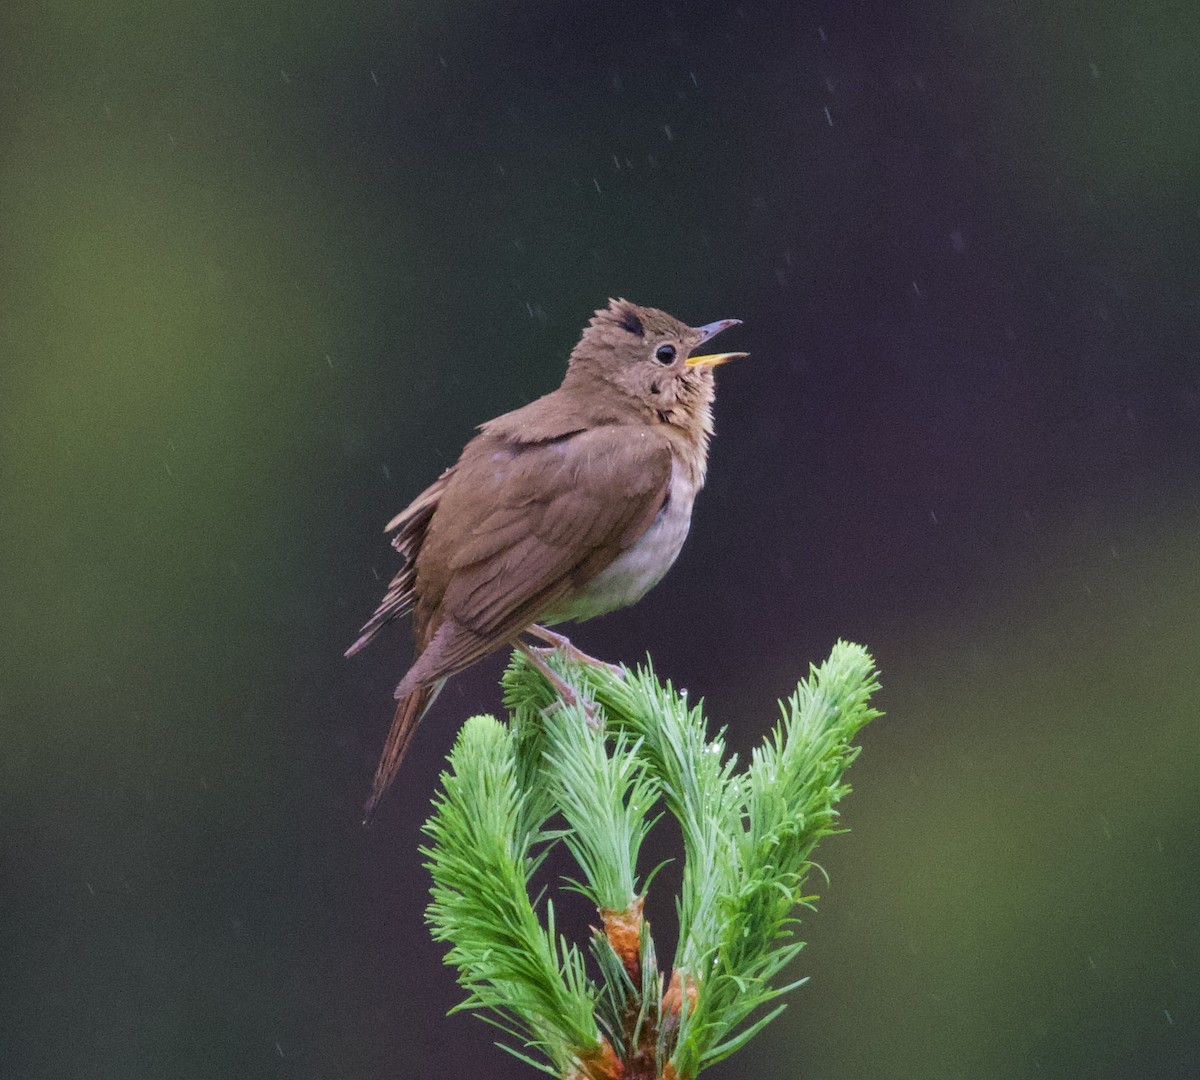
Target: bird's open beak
x,y
713,359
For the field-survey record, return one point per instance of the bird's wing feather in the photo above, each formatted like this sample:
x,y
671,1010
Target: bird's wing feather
x,y
411,525
546,520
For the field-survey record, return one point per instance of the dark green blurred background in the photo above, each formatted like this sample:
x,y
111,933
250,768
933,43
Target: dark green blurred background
x,y
263,269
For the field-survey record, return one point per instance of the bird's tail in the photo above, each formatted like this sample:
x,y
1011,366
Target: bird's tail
x,y
409,710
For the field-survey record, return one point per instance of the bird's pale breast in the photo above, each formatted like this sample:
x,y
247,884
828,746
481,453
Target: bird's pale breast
x,y
639,568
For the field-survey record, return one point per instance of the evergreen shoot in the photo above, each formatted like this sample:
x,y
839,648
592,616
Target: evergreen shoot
x,y
553,774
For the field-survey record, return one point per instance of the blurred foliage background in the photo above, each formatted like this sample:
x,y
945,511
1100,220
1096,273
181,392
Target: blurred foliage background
x,y
266,265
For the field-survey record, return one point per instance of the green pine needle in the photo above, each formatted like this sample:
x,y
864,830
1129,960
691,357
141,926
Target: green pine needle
x,y
481,864
748,836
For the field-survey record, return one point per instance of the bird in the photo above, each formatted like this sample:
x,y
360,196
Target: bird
x,y
569,507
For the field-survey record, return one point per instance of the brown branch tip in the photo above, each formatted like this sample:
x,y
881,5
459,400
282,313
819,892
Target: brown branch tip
x,y
624,932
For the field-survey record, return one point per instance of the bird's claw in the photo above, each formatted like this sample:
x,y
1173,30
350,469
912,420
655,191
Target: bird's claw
x,y
592,713
567,694
560,642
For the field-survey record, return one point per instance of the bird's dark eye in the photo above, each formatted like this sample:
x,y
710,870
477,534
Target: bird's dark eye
x,y
665,354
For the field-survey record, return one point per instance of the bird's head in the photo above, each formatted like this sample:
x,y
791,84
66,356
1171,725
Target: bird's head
x,y
646,355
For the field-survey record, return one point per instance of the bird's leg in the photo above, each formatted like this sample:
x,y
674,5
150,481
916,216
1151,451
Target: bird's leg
x,y
565,690
562,642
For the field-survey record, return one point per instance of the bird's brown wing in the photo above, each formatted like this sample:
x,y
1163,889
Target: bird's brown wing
x,y
411,525
527,527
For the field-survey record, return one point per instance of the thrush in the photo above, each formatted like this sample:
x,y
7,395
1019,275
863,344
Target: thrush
x,y
569,507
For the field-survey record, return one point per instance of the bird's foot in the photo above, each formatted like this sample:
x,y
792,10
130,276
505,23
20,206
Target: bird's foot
x,y
567,694
591,712
563,643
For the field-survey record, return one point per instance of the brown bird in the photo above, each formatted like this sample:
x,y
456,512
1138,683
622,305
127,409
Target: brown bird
x,y
572,506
